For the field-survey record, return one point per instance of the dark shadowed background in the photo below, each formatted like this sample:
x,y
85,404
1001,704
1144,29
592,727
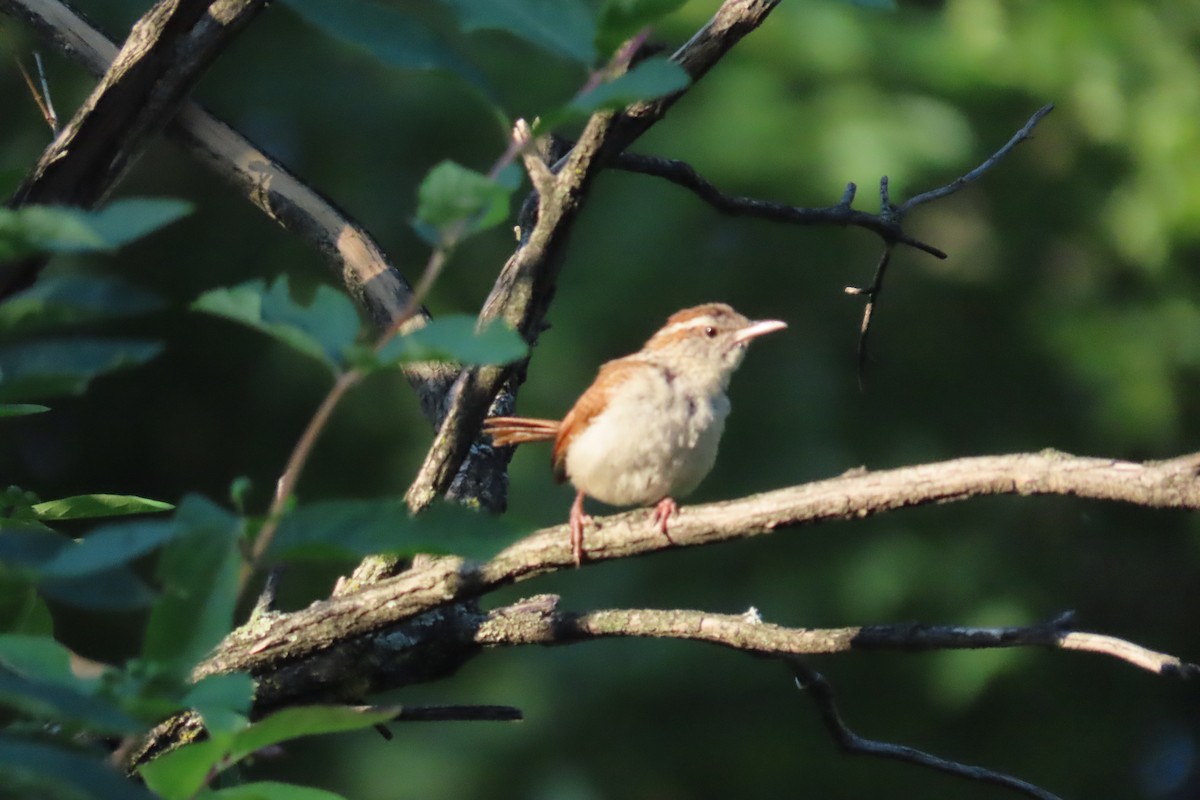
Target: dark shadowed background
x,y
1065,317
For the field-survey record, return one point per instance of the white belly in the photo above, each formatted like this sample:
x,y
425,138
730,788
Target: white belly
x,y
629,457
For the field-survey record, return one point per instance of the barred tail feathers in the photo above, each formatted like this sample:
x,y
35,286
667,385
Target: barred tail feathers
x,y
507,431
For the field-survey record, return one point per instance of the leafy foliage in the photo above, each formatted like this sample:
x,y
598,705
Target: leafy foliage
x,y
33,230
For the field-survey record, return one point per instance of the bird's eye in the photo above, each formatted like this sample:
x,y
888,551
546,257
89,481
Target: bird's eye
x,y
710,332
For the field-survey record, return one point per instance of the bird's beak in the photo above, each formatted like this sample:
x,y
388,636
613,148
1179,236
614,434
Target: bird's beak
x,y
756,329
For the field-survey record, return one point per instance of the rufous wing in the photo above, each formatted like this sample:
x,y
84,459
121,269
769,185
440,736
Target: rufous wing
x,y
590,403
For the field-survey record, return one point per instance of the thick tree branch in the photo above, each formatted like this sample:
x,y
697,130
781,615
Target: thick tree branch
x,y
821,692
431,586
536,621
353,255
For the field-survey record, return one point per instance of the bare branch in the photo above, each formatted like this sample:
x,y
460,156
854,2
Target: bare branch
x,y
822,694
952,187
458,714
536,620
429,587
683,174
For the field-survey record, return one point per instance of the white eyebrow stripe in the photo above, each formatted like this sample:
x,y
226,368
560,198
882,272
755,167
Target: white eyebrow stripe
x,y
698,322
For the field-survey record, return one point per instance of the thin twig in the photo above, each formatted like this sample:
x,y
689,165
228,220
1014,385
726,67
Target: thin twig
x,y
872,293
819,689
685,175
1024,133
41,98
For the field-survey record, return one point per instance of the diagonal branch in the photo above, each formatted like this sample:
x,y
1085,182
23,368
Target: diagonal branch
x,y
352,253
167,51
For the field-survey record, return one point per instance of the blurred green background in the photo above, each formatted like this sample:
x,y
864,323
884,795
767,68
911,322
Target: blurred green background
x,y
1064,317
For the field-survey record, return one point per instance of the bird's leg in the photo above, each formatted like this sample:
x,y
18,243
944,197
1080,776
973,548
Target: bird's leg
x,y
662,514
577,520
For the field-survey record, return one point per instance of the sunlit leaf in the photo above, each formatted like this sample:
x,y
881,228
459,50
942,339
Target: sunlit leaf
x,y
647,80
87,506
323,329
621,19
21,409
564,27
61,300
270,790
452,193
66,366
181,773
388,35
454,338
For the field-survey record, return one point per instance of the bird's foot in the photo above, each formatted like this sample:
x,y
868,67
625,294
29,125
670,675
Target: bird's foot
x,y
577,520
662,515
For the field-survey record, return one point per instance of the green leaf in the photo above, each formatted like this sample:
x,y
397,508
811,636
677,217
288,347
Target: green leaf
x,y
647,80
198,571
59,703
116,589
388,35
324,329
292,723
563,27
351,529
35,769
86,506
22,610
66,366
454,338
180,774
621,19
33,230
452,193
72,299
223,701
270,790
21,409
36,657
110,546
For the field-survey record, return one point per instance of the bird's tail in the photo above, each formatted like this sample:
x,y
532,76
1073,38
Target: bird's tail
x,y
519,430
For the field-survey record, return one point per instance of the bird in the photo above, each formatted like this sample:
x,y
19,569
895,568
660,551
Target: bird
x,y
647,429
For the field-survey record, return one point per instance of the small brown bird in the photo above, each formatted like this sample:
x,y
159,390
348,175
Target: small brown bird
x,y
648,427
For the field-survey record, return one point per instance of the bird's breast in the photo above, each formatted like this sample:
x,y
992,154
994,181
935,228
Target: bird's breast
x,y
655,438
